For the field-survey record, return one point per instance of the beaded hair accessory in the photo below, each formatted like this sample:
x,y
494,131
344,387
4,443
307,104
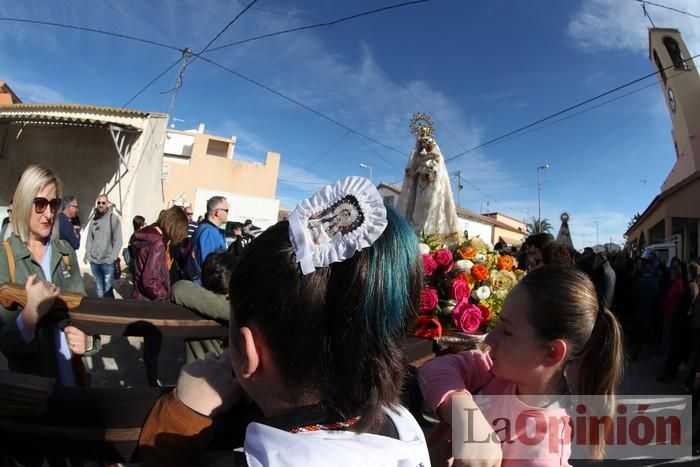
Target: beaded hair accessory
x,y
336,222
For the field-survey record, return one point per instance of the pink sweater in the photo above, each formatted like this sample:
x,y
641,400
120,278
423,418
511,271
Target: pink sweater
x,y
471,372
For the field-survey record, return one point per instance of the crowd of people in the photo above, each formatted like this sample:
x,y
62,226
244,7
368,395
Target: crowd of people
x,y
333,397
44,225
655,302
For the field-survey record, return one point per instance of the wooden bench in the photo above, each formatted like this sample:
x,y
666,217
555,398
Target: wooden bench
x,y
40,417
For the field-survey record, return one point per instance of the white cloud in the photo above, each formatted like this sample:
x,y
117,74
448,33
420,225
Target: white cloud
x,y
252,147
351,88
620,24
611,225
362,94
35,93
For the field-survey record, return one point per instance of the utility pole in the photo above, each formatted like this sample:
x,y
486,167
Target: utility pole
x,y
460,187
539,191
186,55
596,232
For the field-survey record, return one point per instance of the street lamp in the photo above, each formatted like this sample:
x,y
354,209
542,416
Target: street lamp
x,y
368,167
539,190
596,231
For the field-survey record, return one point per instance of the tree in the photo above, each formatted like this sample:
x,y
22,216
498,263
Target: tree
x,y
536,226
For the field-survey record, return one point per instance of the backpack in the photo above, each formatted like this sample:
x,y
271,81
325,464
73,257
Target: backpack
x,y
193,270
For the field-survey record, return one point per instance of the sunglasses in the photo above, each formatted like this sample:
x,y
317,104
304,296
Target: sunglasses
x,y
41,203
222,209
101,203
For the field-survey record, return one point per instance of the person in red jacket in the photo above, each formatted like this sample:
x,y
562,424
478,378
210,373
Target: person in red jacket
x,y
152,263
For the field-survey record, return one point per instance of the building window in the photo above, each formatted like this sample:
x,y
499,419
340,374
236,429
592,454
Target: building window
x,y
660,67
389,201
217,148
674,51
675,146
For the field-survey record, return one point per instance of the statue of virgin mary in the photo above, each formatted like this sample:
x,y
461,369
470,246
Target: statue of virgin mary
x,y
426,195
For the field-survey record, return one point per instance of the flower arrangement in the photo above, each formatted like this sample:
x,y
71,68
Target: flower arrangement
x,y
464,288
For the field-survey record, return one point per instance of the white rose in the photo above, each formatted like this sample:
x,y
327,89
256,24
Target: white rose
x,y
489,246
483,292
480,258
464,265
423,248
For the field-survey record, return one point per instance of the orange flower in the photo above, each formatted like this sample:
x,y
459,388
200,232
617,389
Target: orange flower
x,y
467,253
479,272
428,327
505,262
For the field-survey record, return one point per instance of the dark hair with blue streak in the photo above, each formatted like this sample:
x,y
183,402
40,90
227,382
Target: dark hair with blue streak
x,y
339,331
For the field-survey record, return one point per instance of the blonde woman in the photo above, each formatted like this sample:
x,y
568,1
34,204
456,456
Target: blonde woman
x,y
35,256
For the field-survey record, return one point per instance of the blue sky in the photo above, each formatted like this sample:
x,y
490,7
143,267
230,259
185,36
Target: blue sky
x,y
480,68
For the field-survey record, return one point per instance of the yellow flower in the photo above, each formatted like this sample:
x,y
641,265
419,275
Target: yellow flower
x,y
503,280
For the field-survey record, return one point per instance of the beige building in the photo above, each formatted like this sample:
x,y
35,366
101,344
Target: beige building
x,y
7,96
197,166
508,229
674,214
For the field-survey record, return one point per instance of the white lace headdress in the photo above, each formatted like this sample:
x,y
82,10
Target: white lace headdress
x,y
336,222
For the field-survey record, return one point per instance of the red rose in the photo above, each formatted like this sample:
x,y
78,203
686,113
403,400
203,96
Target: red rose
x,y
429,265
466,316
459,289
428,300
485,313
444,259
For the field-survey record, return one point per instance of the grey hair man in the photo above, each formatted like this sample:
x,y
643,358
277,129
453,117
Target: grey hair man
x,y
69,224
209,237
104,241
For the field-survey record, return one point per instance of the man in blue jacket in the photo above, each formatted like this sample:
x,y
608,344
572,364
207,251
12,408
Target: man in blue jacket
x,y
208,237
66,219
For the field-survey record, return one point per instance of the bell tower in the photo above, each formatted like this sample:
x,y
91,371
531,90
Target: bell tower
x,y
680,83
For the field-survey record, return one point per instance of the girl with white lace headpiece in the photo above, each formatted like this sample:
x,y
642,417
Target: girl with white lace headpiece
x,y
320,306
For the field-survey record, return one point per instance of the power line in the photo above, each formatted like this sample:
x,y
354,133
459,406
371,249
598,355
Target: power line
x,y
643,2
378,154
489,196
93,30
280,13
241,13
185,60
563,111
337,142
447,129
151,82
576,114
647,15
320,25
297,103
558,121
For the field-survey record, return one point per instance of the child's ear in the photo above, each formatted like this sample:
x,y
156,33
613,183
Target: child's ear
x,y
250,358
555,353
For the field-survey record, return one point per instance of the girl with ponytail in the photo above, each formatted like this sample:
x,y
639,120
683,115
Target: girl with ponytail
x,y
554,338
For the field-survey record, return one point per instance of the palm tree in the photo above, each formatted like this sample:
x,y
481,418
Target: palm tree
x,y
536,226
